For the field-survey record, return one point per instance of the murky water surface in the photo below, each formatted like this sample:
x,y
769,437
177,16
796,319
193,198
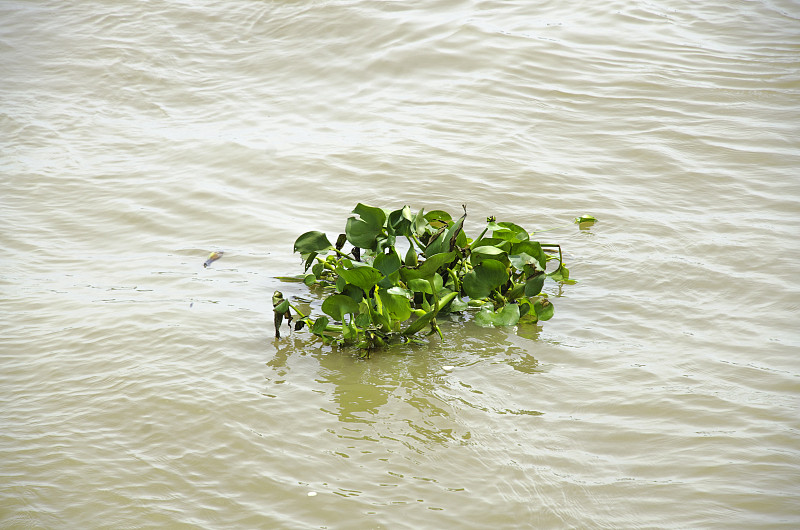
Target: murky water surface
x,y
140,389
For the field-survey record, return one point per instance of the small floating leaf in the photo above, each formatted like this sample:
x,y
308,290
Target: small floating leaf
x,y
585,219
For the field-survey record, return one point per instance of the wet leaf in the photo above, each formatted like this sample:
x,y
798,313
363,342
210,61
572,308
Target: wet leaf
x,y
508,315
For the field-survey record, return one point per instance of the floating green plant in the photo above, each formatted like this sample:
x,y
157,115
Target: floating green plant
x,y
376,294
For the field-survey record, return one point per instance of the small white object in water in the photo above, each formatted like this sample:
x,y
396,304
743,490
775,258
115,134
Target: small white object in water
x,y
448,368
312,493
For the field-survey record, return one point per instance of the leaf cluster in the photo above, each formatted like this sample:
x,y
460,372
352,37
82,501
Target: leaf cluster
x,y
406,268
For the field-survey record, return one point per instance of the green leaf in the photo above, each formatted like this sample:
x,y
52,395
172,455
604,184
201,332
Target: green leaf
x,y
509,232
310,280
363,232
425,319
428,267
402,292
396,305
419,323
438,218
483,279
508,315
544,309
521,254
363,320
561,274
458,305
319,325
283,307
534,285
364,277
338,305
484,252
502,244
446,242
313,241
388,264
585,219
400,222
420,285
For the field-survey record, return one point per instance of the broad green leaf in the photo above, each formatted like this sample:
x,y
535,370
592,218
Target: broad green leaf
x,y
364,277
422,285
363,232
310,279
313,241
396,305
402,292
319,325
508,315
338,305
483,279
428,267
509,231
419,224
363,320
544,309
492,242
388,264
524,307
483,253
515,292
525,250
438,218
534,285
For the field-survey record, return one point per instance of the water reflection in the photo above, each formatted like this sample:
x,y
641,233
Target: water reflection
x,y
418,396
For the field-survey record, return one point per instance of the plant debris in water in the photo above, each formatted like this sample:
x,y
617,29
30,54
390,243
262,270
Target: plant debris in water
x,y
377,293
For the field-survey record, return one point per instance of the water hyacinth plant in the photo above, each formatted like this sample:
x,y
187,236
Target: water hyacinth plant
x,y
375,296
